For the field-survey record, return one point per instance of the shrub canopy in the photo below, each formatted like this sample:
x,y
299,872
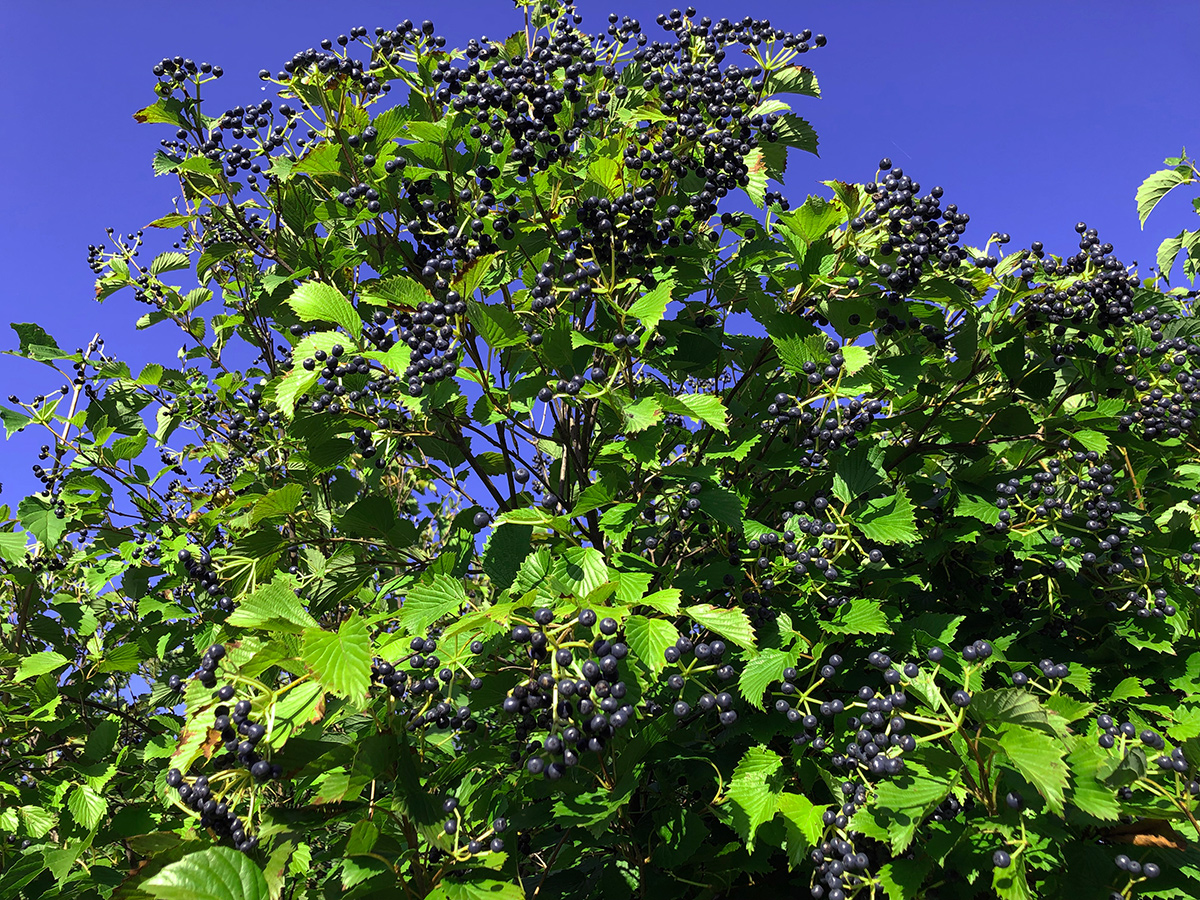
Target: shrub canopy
x,y
518,520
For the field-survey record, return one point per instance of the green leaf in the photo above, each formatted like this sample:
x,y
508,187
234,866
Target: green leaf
x,y
640,415
496,323
665,601
87,807
753,792
731,624
859,472
761,671
652,305
649,640
218,873
902,878
39,664
343,660
756,176
460,888
707,408
617,521
169,262
1008,706
279,502
902,802
723,505
39,519
1092,440
315,301
862,615
580,571
794,131
792,80
1089,794
1156,186
1039,758
802,824
1011,883
274,607
889,520
506,547
426,603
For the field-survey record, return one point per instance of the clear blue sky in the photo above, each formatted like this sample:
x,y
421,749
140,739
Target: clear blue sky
x,y
1032,115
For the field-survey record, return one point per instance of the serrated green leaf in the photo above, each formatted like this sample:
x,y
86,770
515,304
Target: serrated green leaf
x,y
754,792
862,615
496,323
731,624
485,888
761,671
39,663
1088,793
889,520
275,607
169,262
278,502
315,301
648,639
1156,186
665,601
652,305
505,548
707,408
580,571
1039,758
1011,883
87,807
802,825
218,873
902,802
1013,706
343,660
426,603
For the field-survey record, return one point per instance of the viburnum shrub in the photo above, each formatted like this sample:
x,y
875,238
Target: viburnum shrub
x,y
521,521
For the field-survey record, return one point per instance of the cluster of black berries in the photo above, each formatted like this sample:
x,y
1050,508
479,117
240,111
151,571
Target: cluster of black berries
x,y
176,70
915,235
580,713
1107,295
241,737
1175,761
214,812
201,571
1049,668
475,846
697,658
807,721
207,674
880,727
426,677
1133,867
429,332
838,863
1169,387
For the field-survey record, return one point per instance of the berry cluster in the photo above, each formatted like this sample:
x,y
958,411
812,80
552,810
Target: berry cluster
x,y
215,813
201,571
1049,668
1107,295
476,845
581,713
429,332
704,657
839,866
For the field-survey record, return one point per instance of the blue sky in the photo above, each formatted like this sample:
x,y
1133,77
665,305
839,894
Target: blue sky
x,y
1031,115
